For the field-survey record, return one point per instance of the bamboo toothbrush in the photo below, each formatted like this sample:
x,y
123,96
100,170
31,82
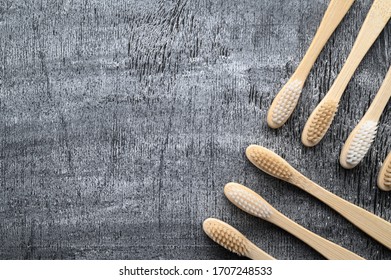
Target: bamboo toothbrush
x,y
384,179
255,205
362,136
232,240
286,100
321,118
276,166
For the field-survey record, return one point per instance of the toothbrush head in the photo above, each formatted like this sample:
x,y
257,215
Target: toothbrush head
x,y
226,236
248,200
284,103
384,179
269,162
361,140
318,123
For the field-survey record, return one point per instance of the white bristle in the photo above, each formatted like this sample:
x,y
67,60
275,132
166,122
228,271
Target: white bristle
x,y
286,101
249,203
361,142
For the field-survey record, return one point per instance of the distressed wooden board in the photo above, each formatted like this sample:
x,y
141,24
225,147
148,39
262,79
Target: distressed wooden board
x,y
121,121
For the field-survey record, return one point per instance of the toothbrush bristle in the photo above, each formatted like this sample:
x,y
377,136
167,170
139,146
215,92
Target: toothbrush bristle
x,y
248,200
384,177
387,175
269,162
286,101
322,120
226,236
361,142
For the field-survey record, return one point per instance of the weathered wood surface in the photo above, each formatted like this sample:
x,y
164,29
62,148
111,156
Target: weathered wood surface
x,y
121,121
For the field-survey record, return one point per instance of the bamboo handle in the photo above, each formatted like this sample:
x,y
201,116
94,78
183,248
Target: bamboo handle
x,y
255,253
378,16
325,247
381,99
371,224
334,14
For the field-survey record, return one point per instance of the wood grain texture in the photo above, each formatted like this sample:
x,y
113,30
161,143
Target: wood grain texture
x,y
121,122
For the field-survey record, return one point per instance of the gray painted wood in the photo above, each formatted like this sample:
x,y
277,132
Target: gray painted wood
x,y
121,121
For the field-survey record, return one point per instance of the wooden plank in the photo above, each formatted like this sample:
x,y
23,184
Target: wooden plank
x,y
121,122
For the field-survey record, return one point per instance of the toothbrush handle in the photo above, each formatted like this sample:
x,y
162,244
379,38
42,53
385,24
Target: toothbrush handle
x,y
377,18
323,115
325,247
286,100
371,224
381,99
334,14
256,253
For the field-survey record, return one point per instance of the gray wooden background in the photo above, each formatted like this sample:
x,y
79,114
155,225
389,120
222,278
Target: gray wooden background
x,y
121,122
